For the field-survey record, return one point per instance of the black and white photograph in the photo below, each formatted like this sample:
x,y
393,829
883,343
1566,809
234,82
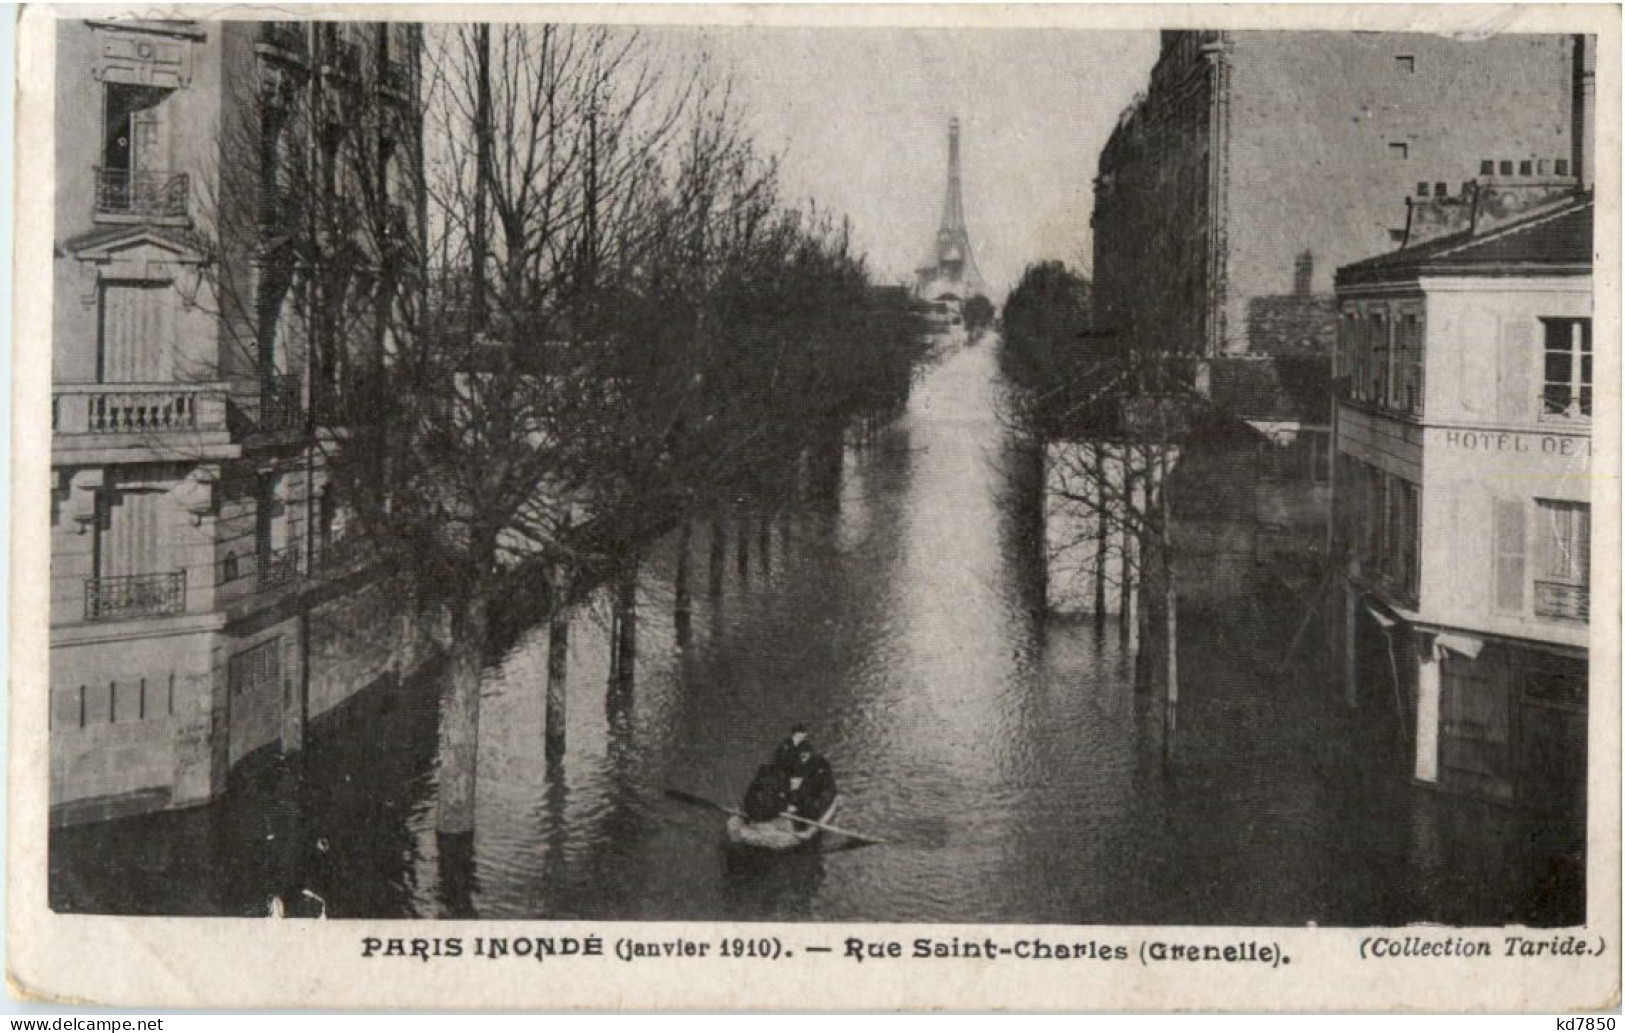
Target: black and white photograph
x,y
584,469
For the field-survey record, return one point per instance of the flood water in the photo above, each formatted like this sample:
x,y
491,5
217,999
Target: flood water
x,y
1008,761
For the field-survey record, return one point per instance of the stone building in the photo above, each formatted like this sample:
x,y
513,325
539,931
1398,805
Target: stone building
x,y
213,180
1257,162
1462,496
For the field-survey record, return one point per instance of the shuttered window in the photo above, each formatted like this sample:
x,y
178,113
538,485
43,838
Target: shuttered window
x,y
137,331
1514,368
1510,544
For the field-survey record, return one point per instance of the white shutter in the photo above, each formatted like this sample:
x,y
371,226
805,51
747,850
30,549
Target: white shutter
x,y
132,534
1509,539
137,332
1516,355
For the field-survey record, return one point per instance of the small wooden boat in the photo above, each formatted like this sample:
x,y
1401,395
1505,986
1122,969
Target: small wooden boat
x,y
782,833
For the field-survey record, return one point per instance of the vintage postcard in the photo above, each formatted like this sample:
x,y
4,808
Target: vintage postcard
x,y
1031,508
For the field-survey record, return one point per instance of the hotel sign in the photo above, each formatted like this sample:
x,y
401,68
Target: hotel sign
x,y
1512,441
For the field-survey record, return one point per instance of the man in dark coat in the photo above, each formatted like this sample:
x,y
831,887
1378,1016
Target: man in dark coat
x,y
768,795
787,758
812,788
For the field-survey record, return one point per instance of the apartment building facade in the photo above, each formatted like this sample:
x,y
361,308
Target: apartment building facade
x,y
1462,489
1255,164
211,178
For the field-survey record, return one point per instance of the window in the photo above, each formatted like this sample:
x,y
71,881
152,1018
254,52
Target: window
x,y
132,137
135,331
1562,559
1377,335
1399,151
1379,521
1404,510
1396,236
1408,364
1347,346
133,178
1567,392
256,669
1406,63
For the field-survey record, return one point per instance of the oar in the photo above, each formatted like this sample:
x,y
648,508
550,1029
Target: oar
x,y
700,801
833,828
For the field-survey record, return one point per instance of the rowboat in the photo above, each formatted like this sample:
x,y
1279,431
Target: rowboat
x,y
782,833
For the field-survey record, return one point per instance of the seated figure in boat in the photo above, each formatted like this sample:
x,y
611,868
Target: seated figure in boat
x,y
812,786
768,795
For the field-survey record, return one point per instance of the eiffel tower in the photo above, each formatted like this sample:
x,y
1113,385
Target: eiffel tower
x,y
950,272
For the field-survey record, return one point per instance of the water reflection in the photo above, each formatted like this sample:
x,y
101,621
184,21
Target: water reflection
x,y
1008,760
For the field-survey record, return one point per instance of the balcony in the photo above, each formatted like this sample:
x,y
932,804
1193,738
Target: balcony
x,y
143,193
279,568
130,596
138,409
342,553
1563,601
272,569
280,405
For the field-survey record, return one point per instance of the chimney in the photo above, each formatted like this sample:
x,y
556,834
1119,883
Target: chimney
x,y
1506,189
1584,103
1436,213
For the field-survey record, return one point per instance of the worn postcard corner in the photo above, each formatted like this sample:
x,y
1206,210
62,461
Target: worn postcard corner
x,y
947,508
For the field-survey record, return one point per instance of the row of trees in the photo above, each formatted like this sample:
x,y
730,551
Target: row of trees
x,y
600,320
1111,425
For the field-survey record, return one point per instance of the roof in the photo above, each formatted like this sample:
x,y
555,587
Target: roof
x,y
1273,388
1555,241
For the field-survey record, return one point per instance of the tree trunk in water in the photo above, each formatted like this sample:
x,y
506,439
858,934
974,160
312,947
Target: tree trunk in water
x,y
1102,529
682,605
1170,616
460,723
764,541
1125,615
717,558
558,666
623,668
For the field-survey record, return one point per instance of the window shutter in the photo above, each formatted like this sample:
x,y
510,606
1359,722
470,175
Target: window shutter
x,y
1510,544
1515,358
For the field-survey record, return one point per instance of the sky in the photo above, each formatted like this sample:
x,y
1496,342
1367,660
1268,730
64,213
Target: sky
x,y
860,117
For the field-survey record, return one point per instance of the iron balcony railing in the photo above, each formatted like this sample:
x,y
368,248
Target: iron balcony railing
x,y
280,407
341,552
279,568
1558,599
142,192
135,595
138,408
271,569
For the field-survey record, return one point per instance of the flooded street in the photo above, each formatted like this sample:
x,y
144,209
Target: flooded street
x,y
1007,760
